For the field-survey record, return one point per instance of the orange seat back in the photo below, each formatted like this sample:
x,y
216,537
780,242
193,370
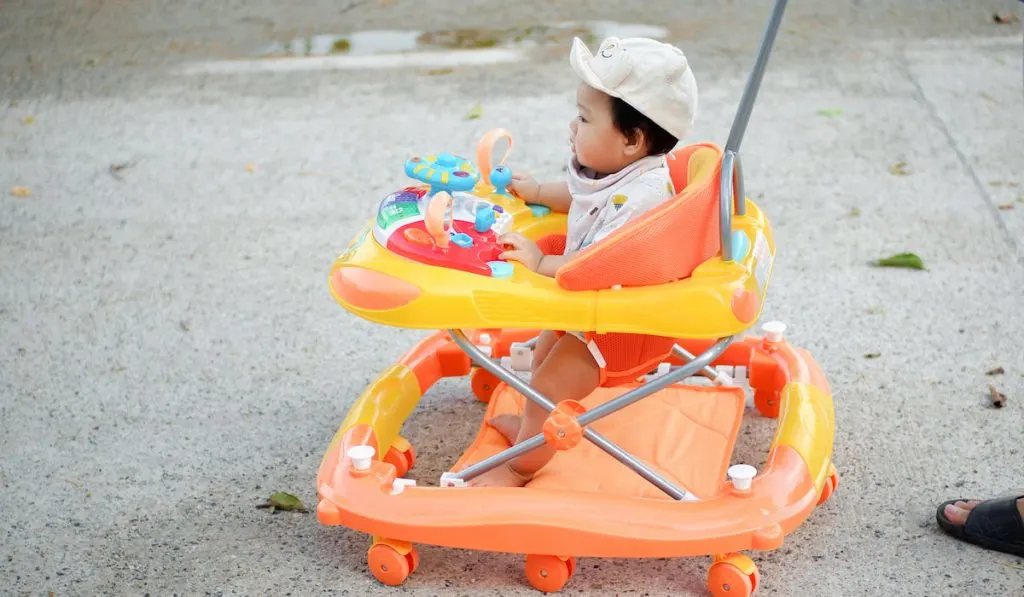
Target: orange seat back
x,y
665,244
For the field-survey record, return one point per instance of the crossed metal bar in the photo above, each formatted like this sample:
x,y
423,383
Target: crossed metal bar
x,y
699,364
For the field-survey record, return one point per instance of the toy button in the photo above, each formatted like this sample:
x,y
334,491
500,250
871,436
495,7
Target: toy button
x,y
500,269
538,210
462,239
417,236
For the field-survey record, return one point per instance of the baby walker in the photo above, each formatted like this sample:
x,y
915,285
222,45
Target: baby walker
x,y
429,260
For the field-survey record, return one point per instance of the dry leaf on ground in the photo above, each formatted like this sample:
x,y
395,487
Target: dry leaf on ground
x,y
998,399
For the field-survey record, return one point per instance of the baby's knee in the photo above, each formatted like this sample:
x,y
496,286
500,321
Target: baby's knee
x,y
545,342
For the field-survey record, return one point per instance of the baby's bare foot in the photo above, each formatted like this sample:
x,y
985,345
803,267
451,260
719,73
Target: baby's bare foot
x,y
508,426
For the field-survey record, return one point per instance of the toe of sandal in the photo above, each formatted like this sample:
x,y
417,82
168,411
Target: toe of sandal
x,y
993,524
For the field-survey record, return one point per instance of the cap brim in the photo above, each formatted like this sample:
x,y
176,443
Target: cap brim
x,y
580,58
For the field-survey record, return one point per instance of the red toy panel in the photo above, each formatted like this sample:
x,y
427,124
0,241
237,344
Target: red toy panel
x,y
413,241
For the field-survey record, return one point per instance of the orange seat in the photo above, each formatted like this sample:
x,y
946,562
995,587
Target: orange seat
x,y
664,245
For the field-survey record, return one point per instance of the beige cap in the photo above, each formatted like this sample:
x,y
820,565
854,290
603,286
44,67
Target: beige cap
x,y
652,76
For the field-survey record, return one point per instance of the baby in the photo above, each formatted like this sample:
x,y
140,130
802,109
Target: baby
x,y
637,99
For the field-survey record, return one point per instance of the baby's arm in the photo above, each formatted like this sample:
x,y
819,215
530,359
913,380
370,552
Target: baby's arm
x,y
555,195
549,264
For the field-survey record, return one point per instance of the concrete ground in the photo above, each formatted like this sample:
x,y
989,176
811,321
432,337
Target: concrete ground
x,y
170,354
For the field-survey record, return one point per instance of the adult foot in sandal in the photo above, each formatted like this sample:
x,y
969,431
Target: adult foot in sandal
x,y
996,524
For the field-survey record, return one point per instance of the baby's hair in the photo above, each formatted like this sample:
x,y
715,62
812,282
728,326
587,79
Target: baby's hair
x,y
628,120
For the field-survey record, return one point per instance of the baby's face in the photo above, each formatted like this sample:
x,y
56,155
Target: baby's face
x,y
592,134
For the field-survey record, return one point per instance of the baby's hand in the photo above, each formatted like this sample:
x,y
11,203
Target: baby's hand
x,y
524,186
524,250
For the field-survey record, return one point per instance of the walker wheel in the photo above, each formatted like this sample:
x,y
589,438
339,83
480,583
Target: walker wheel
x,y
414,560
390,567
830,485
549,573
727,577
410,455
767,403
403,459
483,383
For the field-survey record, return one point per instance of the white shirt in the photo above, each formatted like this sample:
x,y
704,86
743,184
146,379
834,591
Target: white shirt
x,y
602,205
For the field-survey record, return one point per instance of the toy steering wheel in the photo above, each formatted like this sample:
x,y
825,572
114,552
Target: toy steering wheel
x,y
446,173
443,172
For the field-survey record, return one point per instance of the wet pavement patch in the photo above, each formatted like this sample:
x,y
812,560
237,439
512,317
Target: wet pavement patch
x,y
363,43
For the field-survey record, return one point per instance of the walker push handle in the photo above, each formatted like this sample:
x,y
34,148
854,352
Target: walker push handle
x,y
732,191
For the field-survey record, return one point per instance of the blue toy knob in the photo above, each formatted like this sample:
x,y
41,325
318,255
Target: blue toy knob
x,y
484,219
446,160
501,177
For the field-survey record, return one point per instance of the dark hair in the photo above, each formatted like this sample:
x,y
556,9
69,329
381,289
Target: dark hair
x,y
628,120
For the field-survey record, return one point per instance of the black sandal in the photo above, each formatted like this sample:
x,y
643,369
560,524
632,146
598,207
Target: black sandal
x,y
993,524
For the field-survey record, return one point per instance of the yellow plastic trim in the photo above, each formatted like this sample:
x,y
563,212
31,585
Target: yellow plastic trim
x,y
453,298
807,424
384,405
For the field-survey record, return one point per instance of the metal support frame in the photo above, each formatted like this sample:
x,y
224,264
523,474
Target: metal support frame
x,y
480,358
733,195
707,371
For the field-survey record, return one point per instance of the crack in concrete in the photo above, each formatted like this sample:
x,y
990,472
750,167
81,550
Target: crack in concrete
x,y
904,65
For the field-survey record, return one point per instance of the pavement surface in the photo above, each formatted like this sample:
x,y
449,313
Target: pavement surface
x,y
170,353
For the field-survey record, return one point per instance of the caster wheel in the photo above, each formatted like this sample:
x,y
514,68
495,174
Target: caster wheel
x,y
390,567
401,455
830,485
734,576
414,560
484,383
549,573
767,403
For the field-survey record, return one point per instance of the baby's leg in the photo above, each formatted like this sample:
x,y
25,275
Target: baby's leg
x,y
508,425
569,372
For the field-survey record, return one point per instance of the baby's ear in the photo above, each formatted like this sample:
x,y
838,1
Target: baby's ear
x,y
636,141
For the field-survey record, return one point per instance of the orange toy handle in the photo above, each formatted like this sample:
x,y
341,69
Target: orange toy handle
x,y
434,219
484,148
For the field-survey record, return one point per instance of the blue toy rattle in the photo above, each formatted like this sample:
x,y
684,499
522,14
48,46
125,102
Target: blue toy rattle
x,y
501,175
443,172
